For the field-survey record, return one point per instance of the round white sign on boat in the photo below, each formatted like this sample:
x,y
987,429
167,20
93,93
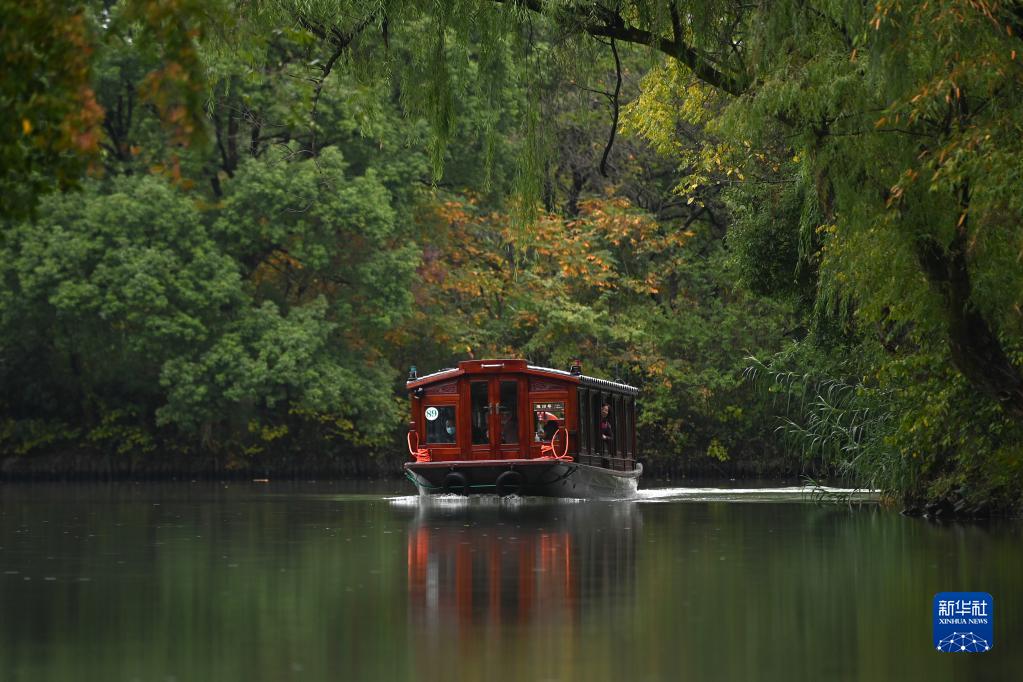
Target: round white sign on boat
x,y
432,413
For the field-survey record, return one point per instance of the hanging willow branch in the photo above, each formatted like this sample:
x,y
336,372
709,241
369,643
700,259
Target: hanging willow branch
x,y
341,40
603,22
615,108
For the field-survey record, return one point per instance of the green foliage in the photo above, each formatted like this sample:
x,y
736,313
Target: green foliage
x,y
843,429
918,435
130,295
765,237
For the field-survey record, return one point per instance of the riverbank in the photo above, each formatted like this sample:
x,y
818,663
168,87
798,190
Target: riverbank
x,y
75,466
86,465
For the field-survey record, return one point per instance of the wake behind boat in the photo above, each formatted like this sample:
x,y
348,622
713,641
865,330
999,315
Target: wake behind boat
x,y
504,426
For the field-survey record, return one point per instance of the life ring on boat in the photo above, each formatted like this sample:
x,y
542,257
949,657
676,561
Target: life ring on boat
x,y
550,450
456,484
419,454
508,483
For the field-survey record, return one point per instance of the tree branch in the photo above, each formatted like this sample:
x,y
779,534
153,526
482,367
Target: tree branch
x,y
615,107
611,25
341,40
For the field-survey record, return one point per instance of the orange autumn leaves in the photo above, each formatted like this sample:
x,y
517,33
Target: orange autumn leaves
x,y
54,119
493,281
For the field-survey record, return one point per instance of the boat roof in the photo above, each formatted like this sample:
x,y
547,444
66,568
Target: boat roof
x,y
520,366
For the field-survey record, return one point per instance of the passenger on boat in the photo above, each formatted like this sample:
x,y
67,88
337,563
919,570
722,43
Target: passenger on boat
x,y
607,435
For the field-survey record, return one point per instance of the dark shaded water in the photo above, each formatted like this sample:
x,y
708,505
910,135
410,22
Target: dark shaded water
x,y
343,582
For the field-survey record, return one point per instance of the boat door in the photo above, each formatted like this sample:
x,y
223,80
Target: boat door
x,y
495,423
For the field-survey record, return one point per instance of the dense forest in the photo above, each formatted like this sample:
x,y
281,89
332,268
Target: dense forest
x,y
229,228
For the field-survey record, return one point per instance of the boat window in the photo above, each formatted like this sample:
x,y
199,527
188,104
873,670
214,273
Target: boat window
x,y
632,411
547,418
584,423
627,430
632,428
607,445
440,423
480,408
619,421
509,409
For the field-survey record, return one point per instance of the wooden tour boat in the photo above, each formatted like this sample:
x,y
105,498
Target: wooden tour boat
x,y
505,426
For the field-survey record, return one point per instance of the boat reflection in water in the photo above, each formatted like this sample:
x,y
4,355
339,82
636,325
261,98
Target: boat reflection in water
x,y
480,570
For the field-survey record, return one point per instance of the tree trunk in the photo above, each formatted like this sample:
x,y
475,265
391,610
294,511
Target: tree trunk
x,y
975,349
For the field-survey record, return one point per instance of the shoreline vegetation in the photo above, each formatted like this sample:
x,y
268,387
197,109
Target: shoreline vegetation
x,y
228,229
71,466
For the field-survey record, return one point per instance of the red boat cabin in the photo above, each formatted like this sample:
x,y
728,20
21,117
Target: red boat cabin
x,y
510,410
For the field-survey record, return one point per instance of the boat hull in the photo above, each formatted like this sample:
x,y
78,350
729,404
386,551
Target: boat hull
x,y
544,477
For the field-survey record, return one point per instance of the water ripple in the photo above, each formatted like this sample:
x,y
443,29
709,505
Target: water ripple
x,y
787,494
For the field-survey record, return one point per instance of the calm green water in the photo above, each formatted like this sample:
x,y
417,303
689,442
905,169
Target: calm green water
x,y
342,582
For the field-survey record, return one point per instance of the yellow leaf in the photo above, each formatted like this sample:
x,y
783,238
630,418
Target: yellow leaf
x,y
26,126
